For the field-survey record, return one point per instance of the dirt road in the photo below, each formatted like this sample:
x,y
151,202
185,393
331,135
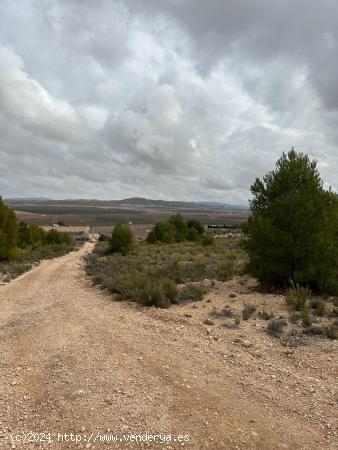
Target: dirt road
x,y
73,361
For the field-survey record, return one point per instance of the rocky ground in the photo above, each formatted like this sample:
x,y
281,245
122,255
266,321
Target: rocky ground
x,y
74,361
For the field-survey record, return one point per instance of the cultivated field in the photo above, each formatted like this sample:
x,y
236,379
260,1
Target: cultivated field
x,y
101,215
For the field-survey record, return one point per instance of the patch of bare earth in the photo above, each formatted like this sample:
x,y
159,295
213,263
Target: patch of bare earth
x,y
74,361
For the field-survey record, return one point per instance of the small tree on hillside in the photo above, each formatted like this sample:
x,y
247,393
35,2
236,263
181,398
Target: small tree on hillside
x,y
293,228
121,240
181,227
195,230
163,231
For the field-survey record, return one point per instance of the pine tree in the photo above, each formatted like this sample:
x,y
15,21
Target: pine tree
x,y
8,231
293,228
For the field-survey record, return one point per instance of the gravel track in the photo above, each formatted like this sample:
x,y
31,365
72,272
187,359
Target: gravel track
x,y
73,361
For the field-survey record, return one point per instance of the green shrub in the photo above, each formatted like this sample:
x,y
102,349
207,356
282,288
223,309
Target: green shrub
x,y
195,230
248,311
265,315
295,316
315,330
318,305
193,234
163,231
225,312
226,270
275,327
8,231
176,229
23,259
330,332
193,271
24,235
208,239
121,240
55,237
191,292
159,293
296,297
292,231
14,254
181,263
306,317
181,227
37,234
103,237
170,289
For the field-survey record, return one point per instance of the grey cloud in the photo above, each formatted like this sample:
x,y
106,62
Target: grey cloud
x,y
301,35
174,99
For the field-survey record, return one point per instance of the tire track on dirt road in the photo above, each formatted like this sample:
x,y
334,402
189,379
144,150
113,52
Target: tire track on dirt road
x,y
74,361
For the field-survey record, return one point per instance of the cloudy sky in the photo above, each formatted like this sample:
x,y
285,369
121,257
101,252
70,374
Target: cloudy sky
x,y
171,99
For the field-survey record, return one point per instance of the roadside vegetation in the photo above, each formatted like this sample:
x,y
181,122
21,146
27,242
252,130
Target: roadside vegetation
x,y
290,245
161,274
22,245
176,229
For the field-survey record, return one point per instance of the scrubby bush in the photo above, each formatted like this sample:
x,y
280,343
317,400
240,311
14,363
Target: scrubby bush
x,y
193,235
330,332
265,315
292,231
195,230
37,234
225,312
248,311
163,231
181,227
226,269
159,293
103,237
296,297
306,317
24,235
315,330
21,245
191,292
121,240
208,239
55,237
14,254
318,306
182,263
295,316
275,327
176,229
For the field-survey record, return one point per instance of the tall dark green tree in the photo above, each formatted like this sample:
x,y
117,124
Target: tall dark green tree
x,y
24,235
8,231
292,233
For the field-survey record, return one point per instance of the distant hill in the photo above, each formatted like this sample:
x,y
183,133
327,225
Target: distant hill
x,y
179,204
27,199
133,201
